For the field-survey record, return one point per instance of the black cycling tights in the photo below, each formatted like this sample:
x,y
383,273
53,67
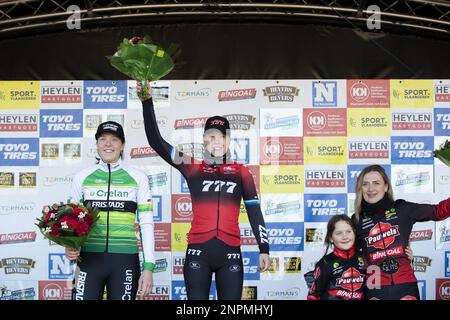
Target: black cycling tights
x,y
119,272
202,259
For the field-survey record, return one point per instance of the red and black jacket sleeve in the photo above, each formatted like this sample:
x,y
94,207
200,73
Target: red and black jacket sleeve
x,y
419,212
321,281
253,208
166,151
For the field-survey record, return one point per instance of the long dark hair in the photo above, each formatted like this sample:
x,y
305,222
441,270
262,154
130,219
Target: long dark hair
x,y
332,225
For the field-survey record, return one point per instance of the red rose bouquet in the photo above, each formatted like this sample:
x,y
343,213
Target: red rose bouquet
x,y
443,153
68,224
141,59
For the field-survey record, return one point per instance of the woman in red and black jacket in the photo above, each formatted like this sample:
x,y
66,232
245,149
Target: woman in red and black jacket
x,y
217,186
383,229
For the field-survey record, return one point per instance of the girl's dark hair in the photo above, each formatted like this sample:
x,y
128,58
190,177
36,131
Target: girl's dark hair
x,y
332,225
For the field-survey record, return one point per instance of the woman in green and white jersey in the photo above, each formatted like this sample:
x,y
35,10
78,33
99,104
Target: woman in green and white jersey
x,y
110,256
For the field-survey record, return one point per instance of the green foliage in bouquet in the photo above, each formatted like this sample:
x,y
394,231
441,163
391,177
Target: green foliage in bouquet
x,y
141,59
443,153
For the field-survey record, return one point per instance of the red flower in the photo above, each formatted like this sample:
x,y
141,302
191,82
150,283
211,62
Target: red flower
x,y
72,224
82,228
88,219
136,40
55,231
78,210
47,217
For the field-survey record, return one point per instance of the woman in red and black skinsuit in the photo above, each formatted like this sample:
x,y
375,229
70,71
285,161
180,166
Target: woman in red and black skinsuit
x,y
217,186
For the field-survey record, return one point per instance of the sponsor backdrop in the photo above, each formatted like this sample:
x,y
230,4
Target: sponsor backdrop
x,y
305,142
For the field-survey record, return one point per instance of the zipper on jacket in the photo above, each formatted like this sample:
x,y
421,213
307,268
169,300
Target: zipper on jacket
x,y
107,207
218,205
385,251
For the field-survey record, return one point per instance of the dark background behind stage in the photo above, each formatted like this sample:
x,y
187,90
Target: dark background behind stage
x,y
232,50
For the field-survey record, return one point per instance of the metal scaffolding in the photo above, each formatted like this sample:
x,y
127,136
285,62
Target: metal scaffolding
x,y
36,16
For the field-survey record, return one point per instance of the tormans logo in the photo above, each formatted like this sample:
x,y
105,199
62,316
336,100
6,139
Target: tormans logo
x,y
351,280
281,93
194,94
382,235
412,121
18,123
61,94
238,94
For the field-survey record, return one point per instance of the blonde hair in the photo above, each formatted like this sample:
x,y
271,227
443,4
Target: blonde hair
x,y
359,182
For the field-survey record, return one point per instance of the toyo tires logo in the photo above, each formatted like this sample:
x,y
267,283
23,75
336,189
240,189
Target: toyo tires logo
x,y
382,235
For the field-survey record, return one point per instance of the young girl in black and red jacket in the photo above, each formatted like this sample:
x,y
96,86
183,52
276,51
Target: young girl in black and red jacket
x,y
341,274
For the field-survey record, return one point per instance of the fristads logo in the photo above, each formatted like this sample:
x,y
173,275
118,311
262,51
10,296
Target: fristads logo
x,y
238,94
285,236
250,261
61,123
324,93
315,178
61,94
281,93
19,152
18,122
412,150
240,150
17,265
442,121
442,92
203,93
59,267
321,207
412,121
105,94
354,171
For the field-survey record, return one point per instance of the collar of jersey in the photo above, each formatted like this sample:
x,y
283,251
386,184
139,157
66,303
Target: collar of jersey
x,y
344,253
114,166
